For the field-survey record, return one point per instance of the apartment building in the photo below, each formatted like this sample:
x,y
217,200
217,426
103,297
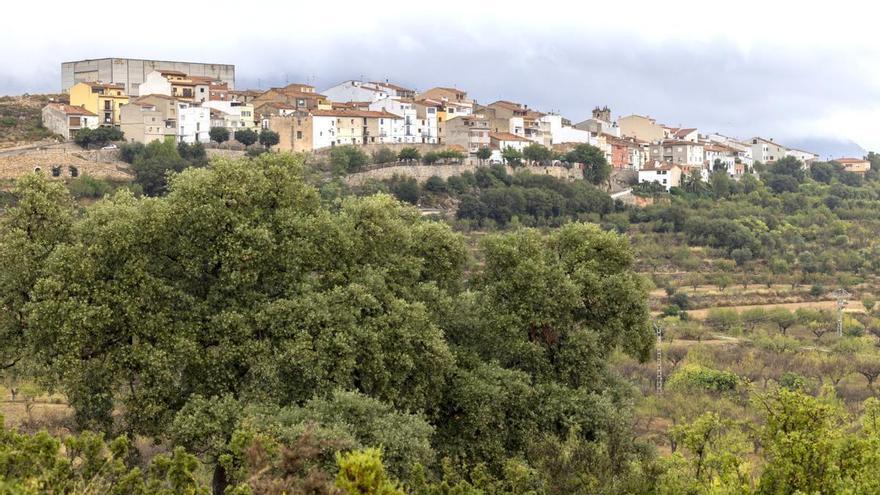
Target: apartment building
x,y
767,151
67,120
470,132
641,127
232,115
678,152
184,121
143,122
102,99
855,165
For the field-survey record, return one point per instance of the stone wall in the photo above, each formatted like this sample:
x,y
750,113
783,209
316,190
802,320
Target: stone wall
x,y
423,172
95,164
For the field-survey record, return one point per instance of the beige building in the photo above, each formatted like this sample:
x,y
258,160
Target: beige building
x,y
469,132
143,122
66,120
855,165
641,128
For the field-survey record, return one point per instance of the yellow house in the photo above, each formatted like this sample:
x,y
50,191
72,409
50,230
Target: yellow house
x,y
102,99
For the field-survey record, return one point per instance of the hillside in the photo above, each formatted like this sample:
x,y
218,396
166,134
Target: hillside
x,y
20,119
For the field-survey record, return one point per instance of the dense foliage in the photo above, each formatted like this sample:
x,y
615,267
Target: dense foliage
x,y
240,311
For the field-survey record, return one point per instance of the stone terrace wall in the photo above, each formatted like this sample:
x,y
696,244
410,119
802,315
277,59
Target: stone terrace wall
x,y
423,172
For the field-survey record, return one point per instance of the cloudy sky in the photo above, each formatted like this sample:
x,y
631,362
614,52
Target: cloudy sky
x,y
786,70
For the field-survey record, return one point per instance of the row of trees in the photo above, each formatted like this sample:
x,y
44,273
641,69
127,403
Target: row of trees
x,y
246,137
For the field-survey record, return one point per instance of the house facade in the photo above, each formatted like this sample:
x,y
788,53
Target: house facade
x,y
666,174
641,128
678,152
104,100
468,132
67,120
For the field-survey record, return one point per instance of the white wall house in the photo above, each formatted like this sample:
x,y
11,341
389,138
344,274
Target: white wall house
x,y
560,133
402,130
236,115
667,175
356,91
193,123
323,131
155,84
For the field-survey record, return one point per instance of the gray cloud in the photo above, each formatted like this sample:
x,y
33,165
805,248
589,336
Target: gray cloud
x,y
715,86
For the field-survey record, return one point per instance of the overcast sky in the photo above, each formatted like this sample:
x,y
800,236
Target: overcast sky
x,y
785,70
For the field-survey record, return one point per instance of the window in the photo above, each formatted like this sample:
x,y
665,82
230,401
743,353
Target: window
x,y
299,134
74,172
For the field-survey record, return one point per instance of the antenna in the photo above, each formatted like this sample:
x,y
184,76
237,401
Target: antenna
x,y
842,295
658,330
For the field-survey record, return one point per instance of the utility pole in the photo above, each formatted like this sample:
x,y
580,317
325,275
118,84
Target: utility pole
x,y
658,330
842,295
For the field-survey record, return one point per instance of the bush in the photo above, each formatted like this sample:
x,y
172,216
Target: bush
x,y
405,189
722,319
219,134
409,155
86,138
347,159
384,155
681,300
86,186
246,137
693,376
435,184
817,290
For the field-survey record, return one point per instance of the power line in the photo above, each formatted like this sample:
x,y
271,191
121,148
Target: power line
x,y
842,295
658,330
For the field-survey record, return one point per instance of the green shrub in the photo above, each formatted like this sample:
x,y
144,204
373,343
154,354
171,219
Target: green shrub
x,y
86,186
694,376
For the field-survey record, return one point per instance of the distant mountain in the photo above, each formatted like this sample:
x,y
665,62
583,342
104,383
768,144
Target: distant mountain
x,y
828,148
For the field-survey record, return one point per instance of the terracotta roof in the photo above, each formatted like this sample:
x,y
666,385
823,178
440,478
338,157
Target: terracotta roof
x,y
681,133
294,86
720,148
427,102
506,136
849,160
457,147
172,72
204,79
279,105
70,109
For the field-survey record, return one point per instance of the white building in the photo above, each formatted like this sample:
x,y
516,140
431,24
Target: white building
x,y
722,154
667,175
193,123
155,84
562,133
357,91
234,114
403,130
